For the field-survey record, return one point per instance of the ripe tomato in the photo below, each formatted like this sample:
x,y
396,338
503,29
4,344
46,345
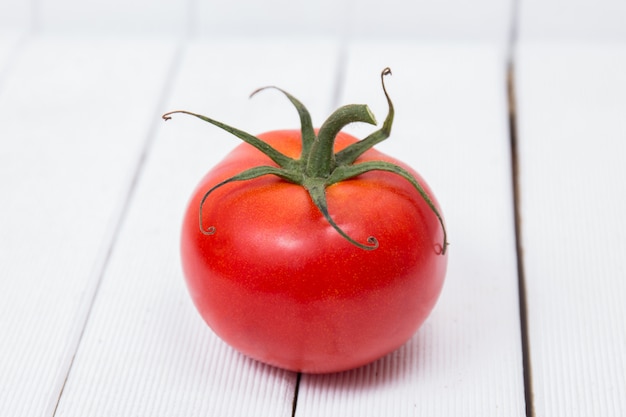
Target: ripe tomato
x,y
308,282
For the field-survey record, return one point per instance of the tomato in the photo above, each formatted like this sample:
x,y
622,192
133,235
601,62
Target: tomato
x,y
308,277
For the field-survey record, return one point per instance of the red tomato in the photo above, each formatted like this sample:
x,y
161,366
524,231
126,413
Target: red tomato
x,y
272,276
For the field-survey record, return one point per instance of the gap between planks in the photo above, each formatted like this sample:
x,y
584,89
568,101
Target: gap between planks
x,y
515,178
109,241
521,277
340,75
517,215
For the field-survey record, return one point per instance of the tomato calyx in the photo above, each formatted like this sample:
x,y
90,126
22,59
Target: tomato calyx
x,y
319,166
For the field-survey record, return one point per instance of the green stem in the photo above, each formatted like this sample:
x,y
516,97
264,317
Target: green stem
x,y
348,155
321,161
318,166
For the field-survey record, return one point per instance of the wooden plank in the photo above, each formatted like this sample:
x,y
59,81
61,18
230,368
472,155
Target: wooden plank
x,y
572,101
74,120
248,18
113,17
581,21
15,15
485,20
9,41
146,350
451,125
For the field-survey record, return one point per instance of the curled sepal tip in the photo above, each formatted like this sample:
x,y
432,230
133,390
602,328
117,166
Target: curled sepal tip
x,y
249,174
318,195
346,172
279,158
348,155
208,231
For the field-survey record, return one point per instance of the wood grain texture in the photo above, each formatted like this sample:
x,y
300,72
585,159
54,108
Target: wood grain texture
x,y
451,125
66,158
146,351
572,102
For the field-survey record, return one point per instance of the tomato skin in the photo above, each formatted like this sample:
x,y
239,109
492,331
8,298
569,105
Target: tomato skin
x,y
278,283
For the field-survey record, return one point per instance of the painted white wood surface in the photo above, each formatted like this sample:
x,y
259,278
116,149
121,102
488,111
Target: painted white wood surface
x,y
112,17
146,351
572,140
15,15
483,20
269,17
74,117
574,20
451,125
9,41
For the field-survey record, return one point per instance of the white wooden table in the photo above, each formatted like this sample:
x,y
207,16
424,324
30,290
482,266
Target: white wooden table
x,y
95,319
